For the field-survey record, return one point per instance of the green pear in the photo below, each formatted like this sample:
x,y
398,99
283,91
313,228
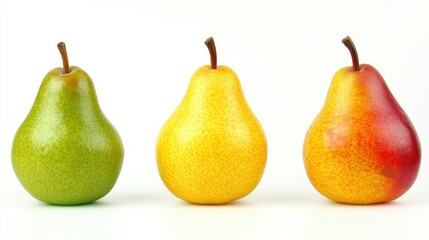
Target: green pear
x,y
66,152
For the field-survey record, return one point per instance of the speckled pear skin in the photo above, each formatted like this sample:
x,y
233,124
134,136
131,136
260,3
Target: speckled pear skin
x,y
361,148
212,150
66,152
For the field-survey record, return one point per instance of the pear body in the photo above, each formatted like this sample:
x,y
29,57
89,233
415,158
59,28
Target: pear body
x,y
212,150
66,152
361,148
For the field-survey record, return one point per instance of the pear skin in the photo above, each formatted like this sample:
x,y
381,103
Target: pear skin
x,y
66,152
212,150
362,148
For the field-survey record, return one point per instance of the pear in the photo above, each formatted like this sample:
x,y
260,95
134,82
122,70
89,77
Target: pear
x,y
66,152
362,148
212,149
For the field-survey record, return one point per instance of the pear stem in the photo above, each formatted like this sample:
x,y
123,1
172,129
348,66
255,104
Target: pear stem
x,y
62,47
212,49
351,46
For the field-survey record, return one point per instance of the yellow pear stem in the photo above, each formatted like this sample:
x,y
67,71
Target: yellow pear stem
x,y
351,46
62,47
212,49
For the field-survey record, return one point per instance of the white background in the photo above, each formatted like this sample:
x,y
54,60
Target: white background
x,y
141,57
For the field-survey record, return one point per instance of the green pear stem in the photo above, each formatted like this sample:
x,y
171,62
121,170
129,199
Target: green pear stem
x,y
62,47
212,49
351,46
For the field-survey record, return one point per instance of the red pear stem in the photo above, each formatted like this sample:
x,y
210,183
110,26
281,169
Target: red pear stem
x,y
62,47
351,46
212,49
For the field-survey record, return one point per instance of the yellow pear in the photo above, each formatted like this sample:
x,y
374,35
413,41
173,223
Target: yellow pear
x,y
212,150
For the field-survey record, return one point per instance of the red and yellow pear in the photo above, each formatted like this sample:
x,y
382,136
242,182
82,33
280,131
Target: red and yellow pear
x,y
362,148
